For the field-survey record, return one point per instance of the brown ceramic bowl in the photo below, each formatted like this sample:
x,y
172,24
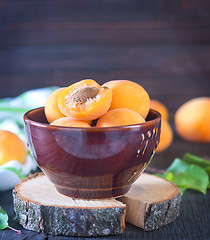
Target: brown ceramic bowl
x,y
92,163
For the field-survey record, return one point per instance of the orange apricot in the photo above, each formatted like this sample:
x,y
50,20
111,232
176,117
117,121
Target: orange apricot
x,y
69,122
192,120
166,136
119,117
160,107
52,112
65,120
11,148
128,94
85,100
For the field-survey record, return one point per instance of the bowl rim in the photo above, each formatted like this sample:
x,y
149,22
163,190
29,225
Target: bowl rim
x,y
47,125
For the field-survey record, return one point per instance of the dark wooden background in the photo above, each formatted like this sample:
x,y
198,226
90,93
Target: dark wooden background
x,y
162,45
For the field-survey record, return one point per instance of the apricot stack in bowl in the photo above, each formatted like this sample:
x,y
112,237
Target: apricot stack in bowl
x,y
86,104
93,141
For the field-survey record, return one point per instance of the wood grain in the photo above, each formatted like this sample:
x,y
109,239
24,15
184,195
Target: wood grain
x,y
164,45
53,22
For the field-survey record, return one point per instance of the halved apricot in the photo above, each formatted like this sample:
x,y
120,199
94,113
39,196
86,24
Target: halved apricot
x,y
85,100
119,117
128,94
69,122
52,112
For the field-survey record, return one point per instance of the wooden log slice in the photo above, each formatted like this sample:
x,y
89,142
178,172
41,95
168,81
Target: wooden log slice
x,y
151,202
39,207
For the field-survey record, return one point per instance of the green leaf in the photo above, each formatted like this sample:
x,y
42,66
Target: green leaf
x,y
169,176
14,109
192,159
3,219
208,172
159,175
177,166
191,172
16,171
194,177
182,190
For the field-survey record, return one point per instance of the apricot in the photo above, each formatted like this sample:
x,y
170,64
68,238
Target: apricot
x,y
160,107
69,122
52,112
11,148
85,100
65,120
119,117
166,136
128,94
192,120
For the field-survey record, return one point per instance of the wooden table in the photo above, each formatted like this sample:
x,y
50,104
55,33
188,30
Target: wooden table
x,y
162,45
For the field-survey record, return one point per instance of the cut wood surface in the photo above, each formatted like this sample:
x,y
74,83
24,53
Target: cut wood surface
x,y
39,207
152,202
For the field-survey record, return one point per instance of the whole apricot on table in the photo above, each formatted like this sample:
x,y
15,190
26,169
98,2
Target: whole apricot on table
x,y
160,107
69,122
166,136
52,112
119,117
192,120
85,100
128,94
11,148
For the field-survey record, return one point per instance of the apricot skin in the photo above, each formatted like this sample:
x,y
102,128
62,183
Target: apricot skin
x,y
160,107
166,136
192,120
87,110
11,148
69,122
128,94
119,117
52,112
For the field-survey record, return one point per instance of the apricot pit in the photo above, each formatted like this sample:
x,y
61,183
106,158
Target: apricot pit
x,y
85,93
